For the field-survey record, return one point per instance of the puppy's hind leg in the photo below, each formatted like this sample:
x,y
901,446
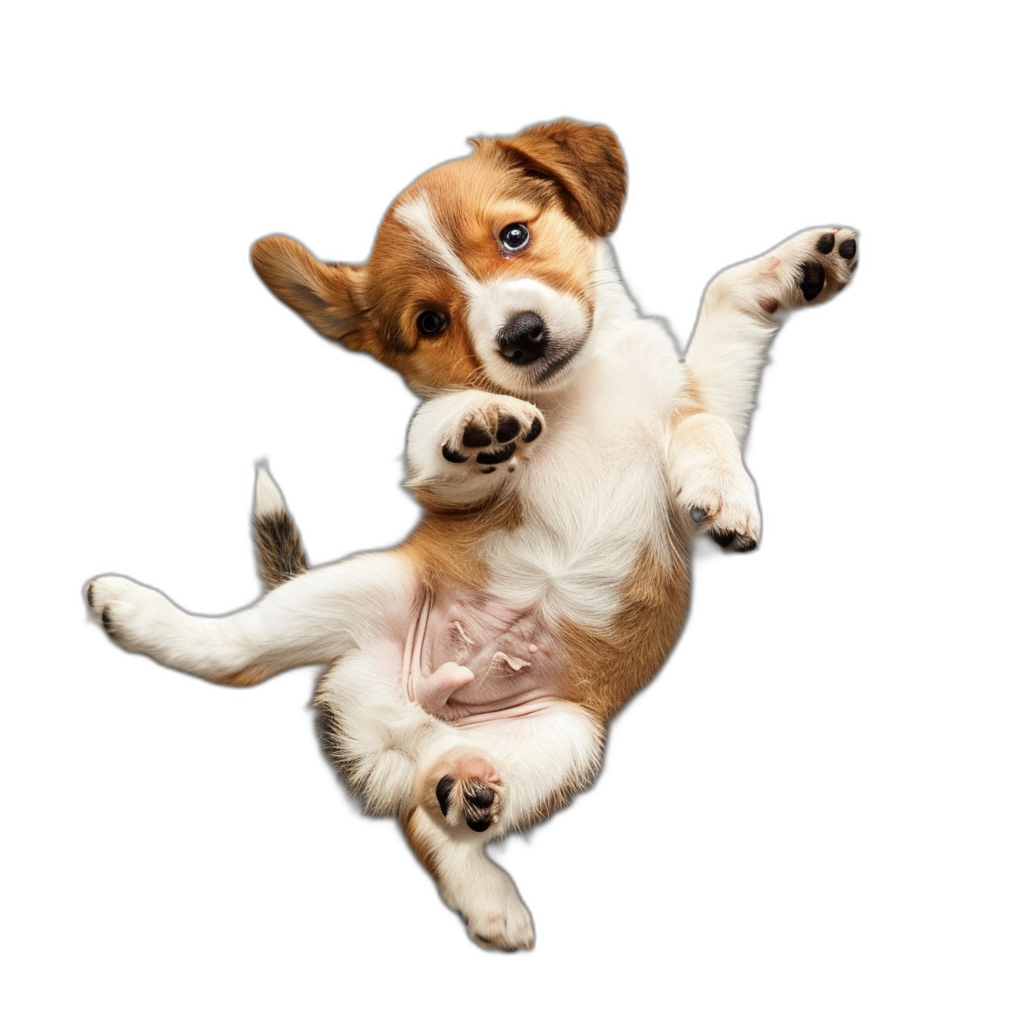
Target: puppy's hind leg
x,y
470,882
309,620
488,779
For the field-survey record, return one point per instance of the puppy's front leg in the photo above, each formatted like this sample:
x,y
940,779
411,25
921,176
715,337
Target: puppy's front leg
x,y
741,313
465,447
711,483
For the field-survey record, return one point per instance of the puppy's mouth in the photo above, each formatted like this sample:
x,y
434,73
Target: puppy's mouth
x,y
525,342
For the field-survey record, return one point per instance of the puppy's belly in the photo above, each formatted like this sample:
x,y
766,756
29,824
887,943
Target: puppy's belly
x,y
471,657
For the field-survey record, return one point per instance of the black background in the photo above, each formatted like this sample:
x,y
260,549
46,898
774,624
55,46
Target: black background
x,y
729,823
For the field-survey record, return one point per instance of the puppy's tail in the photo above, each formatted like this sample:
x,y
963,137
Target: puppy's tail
x,y
278,545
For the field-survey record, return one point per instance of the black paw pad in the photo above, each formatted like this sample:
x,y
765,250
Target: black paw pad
x,y
813,279
826,244
479,796
848,249
444,794
476,436
508,428
501,455
108,621
453,456
534,431
88,594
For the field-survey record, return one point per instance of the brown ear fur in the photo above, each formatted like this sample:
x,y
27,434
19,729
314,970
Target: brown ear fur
x,y
321,293
585,160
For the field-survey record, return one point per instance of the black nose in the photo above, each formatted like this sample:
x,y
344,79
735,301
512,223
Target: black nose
x,y
523,339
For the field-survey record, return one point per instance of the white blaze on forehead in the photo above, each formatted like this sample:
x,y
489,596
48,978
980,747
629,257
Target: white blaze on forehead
x,y
418,216
495,301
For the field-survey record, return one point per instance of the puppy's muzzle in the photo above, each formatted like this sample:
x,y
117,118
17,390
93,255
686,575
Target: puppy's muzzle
x,y
523,339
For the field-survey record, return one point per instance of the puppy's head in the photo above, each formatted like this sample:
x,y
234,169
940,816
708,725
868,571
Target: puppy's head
x,y
481,275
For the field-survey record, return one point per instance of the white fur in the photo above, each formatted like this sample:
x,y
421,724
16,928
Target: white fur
x,y
475,887
501,299
268,500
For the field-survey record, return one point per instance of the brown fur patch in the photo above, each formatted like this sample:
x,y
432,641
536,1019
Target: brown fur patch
x,y
565,181
690,400
416,832
586,163
613,664
249,676
279,548
504,512
444,548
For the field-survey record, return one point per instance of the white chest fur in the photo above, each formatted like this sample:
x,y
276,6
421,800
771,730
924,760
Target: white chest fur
x,y
596,495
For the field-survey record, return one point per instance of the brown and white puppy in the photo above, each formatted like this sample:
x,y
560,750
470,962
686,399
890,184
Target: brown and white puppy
x,y
564,457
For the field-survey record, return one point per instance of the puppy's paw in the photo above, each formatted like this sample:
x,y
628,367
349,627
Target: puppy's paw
x,y
808,268
497,918
464,786
723,504
134,616
496,432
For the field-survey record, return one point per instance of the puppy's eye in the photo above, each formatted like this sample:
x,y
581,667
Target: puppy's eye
x,y
431,323
514,236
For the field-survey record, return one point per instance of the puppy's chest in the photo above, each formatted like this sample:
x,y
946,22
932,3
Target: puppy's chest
x,y
592,506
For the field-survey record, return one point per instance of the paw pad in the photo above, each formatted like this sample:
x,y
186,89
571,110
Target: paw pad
x,y
474,799
492,435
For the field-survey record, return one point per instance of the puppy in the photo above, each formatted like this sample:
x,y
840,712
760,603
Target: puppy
x,y
564,457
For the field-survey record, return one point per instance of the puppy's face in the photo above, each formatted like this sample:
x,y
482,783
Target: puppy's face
x,y
481,275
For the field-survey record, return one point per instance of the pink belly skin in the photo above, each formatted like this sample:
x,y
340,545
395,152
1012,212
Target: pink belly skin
x,y
472,658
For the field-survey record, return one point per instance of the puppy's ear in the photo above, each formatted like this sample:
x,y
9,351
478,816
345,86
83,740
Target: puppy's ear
x,y
323,294
584,160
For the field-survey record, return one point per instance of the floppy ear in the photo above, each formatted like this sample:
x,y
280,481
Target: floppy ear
x,y
321,293
584,160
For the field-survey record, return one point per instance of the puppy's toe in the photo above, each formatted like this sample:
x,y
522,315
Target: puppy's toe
x,y
723,505
467,790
